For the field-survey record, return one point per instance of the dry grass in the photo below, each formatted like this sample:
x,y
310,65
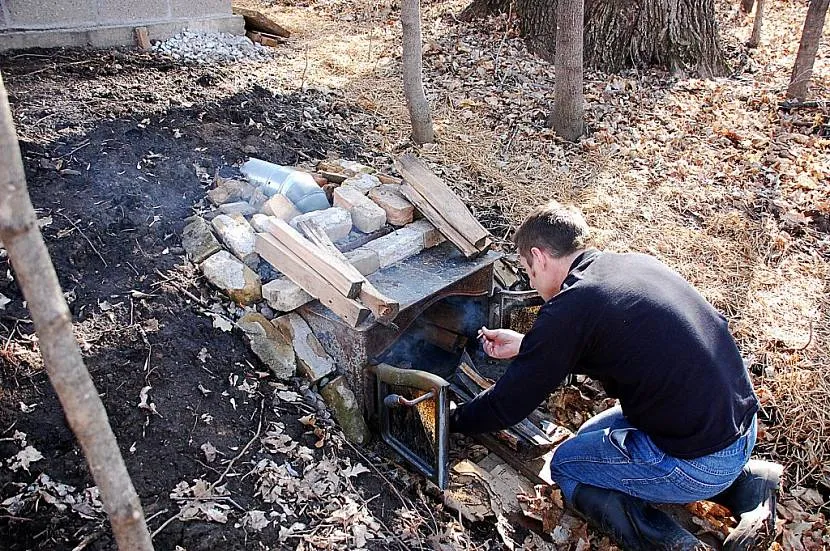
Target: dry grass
x,y
666,184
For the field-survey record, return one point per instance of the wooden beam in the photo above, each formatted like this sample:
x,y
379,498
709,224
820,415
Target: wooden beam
x,y
293,266
384,308
257,21
467,248
442,198
320,260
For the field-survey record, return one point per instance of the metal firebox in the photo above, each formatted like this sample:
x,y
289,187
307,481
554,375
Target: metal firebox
x,y
444,298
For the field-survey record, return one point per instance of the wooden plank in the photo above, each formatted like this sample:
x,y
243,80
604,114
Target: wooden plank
x,y
468,249
258,21
320,260
384,308
142,38
293,266
442,198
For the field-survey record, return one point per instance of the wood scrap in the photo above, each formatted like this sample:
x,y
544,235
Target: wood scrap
x,y
321,261
255,20
434,216
293,266
384,308
142,39
439,195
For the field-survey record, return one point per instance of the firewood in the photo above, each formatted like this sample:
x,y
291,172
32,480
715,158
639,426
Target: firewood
x,y
258,21
320,261
467,248
293,266
439,195
384,308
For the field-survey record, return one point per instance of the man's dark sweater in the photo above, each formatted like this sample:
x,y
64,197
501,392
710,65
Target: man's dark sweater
x,y
633,324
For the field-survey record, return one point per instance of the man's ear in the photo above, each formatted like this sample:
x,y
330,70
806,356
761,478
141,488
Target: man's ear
x,y
539,258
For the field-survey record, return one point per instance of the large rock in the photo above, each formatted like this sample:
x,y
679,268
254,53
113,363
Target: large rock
x,y
335,221
396,246
238,235
343,404
228,191
366,215
365,260
283,295
280,206
430,233
269,344
198,241
312,359
232,277
238,207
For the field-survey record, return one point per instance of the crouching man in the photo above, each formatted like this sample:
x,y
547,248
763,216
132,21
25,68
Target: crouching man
x,y
685,425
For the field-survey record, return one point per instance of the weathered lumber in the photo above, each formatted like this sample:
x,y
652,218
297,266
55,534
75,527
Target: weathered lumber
x,y
467,248
142,38
441,197
293,266
384,308
258,21
321,261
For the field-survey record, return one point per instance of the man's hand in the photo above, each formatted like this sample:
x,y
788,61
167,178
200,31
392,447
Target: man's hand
x,y
501,344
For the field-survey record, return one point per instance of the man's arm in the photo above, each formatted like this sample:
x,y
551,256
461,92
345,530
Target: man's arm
x,y
548,353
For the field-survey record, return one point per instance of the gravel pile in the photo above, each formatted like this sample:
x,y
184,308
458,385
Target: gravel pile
x,y
203,47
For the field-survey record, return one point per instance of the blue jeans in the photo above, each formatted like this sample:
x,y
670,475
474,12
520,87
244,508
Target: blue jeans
x,y
608,452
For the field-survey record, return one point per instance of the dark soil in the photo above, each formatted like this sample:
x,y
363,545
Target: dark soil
x,y
99,134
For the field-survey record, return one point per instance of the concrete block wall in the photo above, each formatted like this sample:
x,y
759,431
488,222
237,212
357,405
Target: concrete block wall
x,y
103,23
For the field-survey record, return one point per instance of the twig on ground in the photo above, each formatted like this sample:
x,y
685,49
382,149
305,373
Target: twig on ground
x,y
74,225
241,453
184,291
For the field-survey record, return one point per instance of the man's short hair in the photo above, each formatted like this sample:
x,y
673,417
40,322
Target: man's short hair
x,y
559,229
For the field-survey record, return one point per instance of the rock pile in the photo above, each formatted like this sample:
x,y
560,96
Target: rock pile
x,y
203,47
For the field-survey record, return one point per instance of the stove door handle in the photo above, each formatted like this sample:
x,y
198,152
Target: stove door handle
x,y
396,400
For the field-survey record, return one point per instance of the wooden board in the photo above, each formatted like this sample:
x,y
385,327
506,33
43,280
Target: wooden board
x,y
384,308
441,198
284,259
468,249
320,260
258,21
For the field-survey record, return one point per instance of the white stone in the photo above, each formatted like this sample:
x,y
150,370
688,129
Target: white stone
x,y
396,246
363,182
239,207
280,206
231,276
365,260
430,233
283,295
335,221
366,215
238,235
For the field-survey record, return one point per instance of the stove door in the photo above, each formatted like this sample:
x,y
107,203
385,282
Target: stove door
x,y
413,408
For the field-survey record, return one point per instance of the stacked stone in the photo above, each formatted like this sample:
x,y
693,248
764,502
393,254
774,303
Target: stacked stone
x,y
222,241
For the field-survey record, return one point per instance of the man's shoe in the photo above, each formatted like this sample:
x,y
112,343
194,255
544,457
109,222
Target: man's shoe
x,y
751,498
632,522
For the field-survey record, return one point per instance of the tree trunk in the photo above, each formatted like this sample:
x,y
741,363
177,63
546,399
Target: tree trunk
x,y
566,118
810,37
746,5
62,357
755,39
676,34
413,84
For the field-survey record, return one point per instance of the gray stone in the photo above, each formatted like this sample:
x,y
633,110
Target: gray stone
x,y
335,221
365,260
232,277
199,241
396,246
343,404
283,295
312,359
238,235
258,199
239,207
366,215
362,182
269,344
432,236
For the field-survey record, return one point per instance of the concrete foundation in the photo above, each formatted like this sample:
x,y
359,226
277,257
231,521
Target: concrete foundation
x,y
106,23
